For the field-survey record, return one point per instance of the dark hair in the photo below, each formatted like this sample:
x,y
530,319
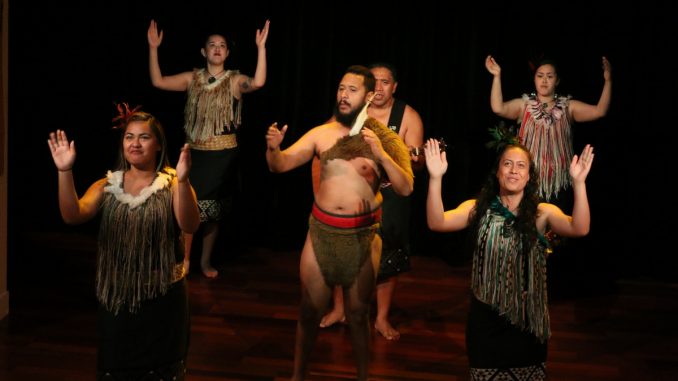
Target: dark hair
x,y
368,77
527,210
228,41
158,131
386,66
534,65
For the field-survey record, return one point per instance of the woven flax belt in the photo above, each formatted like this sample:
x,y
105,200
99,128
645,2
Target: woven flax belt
x,y
216,143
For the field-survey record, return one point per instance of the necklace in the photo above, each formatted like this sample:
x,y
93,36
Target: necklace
x,y
545,105
213,77
507,204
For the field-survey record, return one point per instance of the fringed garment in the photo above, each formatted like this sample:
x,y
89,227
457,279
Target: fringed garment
x,y
508,324
212,116
138,244
505,277
143,315
211,107
350,147
548,136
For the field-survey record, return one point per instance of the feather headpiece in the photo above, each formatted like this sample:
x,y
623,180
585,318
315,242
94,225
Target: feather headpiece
x,y
502,136
124,113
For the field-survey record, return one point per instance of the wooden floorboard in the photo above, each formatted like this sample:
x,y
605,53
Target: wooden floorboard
x,y
243,322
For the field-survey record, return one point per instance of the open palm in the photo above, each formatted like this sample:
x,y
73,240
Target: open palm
x,y
581,165
62,151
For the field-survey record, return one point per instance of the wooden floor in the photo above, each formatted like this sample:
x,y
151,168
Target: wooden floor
x,y
243,323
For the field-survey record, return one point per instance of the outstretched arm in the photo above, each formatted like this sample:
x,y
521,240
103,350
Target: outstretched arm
x,y
509,110
183,197
437,218
73,210
583,112
248,84
579,223
297,154
177,82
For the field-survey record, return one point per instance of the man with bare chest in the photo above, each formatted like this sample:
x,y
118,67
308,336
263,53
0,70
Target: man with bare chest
x,y
342,246
394,231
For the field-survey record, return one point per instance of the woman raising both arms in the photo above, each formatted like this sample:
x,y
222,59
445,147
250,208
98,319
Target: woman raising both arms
x,y
143,317
211,118
508,322
545,120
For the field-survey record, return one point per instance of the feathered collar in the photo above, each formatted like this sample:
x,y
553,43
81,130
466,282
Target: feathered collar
x,y
538,108
115,181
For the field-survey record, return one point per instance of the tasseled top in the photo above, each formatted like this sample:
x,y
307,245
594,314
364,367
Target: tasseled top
x,y
138,243
211,107
548,136
504,276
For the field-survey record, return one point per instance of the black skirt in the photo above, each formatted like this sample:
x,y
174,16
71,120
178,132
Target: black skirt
x,y
154,339
215,178
493,344
395,235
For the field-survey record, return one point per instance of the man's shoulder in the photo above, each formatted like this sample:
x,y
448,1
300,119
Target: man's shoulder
x,y
331,125
410,109
411,116
408,112
330,130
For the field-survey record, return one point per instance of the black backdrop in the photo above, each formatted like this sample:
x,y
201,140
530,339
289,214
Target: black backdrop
x,y
70,60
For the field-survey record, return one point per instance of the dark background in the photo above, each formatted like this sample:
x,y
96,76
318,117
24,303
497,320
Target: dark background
x,y
70,60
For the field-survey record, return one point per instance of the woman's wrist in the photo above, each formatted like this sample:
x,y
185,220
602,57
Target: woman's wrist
x,y
65,170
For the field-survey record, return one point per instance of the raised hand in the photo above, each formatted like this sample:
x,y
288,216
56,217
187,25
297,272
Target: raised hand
x,y
436,161
274,136
492,66
262,35
154,38
184,163
63,152
607,69
581,165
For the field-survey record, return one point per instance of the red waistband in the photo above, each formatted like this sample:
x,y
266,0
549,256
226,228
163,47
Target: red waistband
x,y
346,222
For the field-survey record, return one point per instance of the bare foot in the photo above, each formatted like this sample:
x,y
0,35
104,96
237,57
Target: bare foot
x,y
386,329
209,271
333,317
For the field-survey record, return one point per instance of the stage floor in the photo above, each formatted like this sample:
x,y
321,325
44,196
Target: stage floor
x,y
243,322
